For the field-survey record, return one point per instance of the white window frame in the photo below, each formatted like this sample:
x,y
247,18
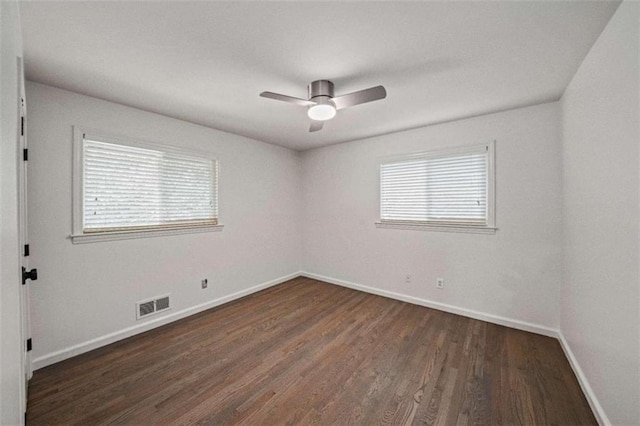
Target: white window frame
x,y
488,228
78,236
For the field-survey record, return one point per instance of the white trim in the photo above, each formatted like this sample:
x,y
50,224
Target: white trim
x,y
442,151
77,234
432,227
597,409
98,342
482,316
491,185
594,404
77,182
489,228
144,233
120,139
78,349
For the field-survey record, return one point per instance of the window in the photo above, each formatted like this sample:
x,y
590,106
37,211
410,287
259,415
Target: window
x,y
441,190
128,189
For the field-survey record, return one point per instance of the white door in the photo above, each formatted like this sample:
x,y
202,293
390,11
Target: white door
x,y
28,275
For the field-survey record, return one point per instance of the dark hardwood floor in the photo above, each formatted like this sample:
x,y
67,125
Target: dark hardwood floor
x,y
306,352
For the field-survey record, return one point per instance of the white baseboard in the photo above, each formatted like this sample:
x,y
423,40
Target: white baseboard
x,y
87,346
495,319
597,409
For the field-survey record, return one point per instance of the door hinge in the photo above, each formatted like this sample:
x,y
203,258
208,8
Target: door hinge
x,y
29,345
25,154
26,249
22,126
29,275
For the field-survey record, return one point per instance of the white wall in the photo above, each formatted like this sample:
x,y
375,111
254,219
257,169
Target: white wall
x,y
600,296
514,274
11,369
87,291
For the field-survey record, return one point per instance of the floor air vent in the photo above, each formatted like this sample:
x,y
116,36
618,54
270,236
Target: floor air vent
x,y
153,306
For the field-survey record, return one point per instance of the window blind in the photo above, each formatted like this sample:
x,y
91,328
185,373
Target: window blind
x,y
127,187
438,188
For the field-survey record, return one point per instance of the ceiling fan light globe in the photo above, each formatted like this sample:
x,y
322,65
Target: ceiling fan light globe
x,y
321,112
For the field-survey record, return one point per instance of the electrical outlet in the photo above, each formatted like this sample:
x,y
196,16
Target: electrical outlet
x,y
204,283
407,278
440,283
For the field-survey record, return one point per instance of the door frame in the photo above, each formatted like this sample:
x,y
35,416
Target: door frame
x,y
23,236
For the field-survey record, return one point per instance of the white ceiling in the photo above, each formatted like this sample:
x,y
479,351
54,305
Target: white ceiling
x,y
206,62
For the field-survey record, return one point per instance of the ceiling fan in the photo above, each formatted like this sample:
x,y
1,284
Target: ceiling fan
x,y
323,104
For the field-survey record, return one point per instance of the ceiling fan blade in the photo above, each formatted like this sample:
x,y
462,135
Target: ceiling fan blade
x,y
360,97
316,125
285,98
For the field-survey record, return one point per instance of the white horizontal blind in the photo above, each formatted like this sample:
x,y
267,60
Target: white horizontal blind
x,y
127,187
438,188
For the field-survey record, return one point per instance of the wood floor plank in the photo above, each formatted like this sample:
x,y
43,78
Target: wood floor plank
x,y
307,352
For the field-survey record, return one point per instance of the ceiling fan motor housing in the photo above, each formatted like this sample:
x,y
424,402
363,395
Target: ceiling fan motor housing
x,y
320,88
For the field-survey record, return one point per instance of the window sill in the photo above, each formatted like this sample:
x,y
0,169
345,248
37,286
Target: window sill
x,y
126,235
439,228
